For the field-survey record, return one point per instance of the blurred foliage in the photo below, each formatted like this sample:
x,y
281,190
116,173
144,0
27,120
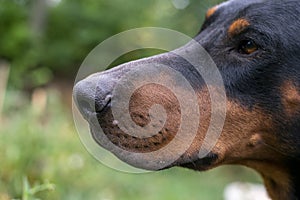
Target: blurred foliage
x,y
44,147
71,29
30,192
40,150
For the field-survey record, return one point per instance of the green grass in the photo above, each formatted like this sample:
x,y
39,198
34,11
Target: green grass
x,y
43,158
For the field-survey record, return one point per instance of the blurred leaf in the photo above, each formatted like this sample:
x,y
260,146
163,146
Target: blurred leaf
x,y
74,28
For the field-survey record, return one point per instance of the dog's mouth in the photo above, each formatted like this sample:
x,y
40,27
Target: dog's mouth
x,y
198,164
114,140
203,163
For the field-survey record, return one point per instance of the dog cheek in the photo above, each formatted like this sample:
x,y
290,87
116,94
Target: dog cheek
x,y
244,133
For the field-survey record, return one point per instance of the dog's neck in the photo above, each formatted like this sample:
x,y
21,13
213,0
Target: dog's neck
x,y
281,181
295,177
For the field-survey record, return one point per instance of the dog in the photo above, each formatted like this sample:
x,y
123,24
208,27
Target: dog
x,y
255,45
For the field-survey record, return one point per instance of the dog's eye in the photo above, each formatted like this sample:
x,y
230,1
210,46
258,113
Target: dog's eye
x,y
247,47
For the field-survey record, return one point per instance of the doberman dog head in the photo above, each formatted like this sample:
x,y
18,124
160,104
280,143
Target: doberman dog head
x,y
255,45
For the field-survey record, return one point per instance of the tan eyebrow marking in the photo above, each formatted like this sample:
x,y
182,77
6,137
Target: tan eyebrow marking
x,y
238,26
211,11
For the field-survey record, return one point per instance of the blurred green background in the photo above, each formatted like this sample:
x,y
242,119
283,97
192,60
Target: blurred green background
x,y
43,43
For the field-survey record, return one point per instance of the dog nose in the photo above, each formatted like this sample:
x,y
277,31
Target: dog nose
x,y
92,94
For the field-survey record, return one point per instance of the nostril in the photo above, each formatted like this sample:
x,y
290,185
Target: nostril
x,y
92,95
101,104
89,103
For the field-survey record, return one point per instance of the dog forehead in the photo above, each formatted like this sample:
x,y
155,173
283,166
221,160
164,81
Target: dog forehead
x,y
231,8
262,15
236,6
239,4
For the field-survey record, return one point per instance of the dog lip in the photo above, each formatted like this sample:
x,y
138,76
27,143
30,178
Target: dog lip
x,y
199,164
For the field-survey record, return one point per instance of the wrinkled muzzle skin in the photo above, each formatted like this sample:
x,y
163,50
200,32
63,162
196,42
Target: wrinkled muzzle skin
x,y
176,122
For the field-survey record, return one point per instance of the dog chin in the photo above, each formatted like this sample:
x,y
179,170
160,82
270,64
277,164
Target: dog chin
x,y
200,164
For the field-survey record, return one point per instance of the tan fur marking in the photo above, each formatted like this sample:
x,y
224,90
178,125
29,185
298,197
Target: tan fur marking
x,y
248,140
140,103
290,98
255,140
211,11
238,26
